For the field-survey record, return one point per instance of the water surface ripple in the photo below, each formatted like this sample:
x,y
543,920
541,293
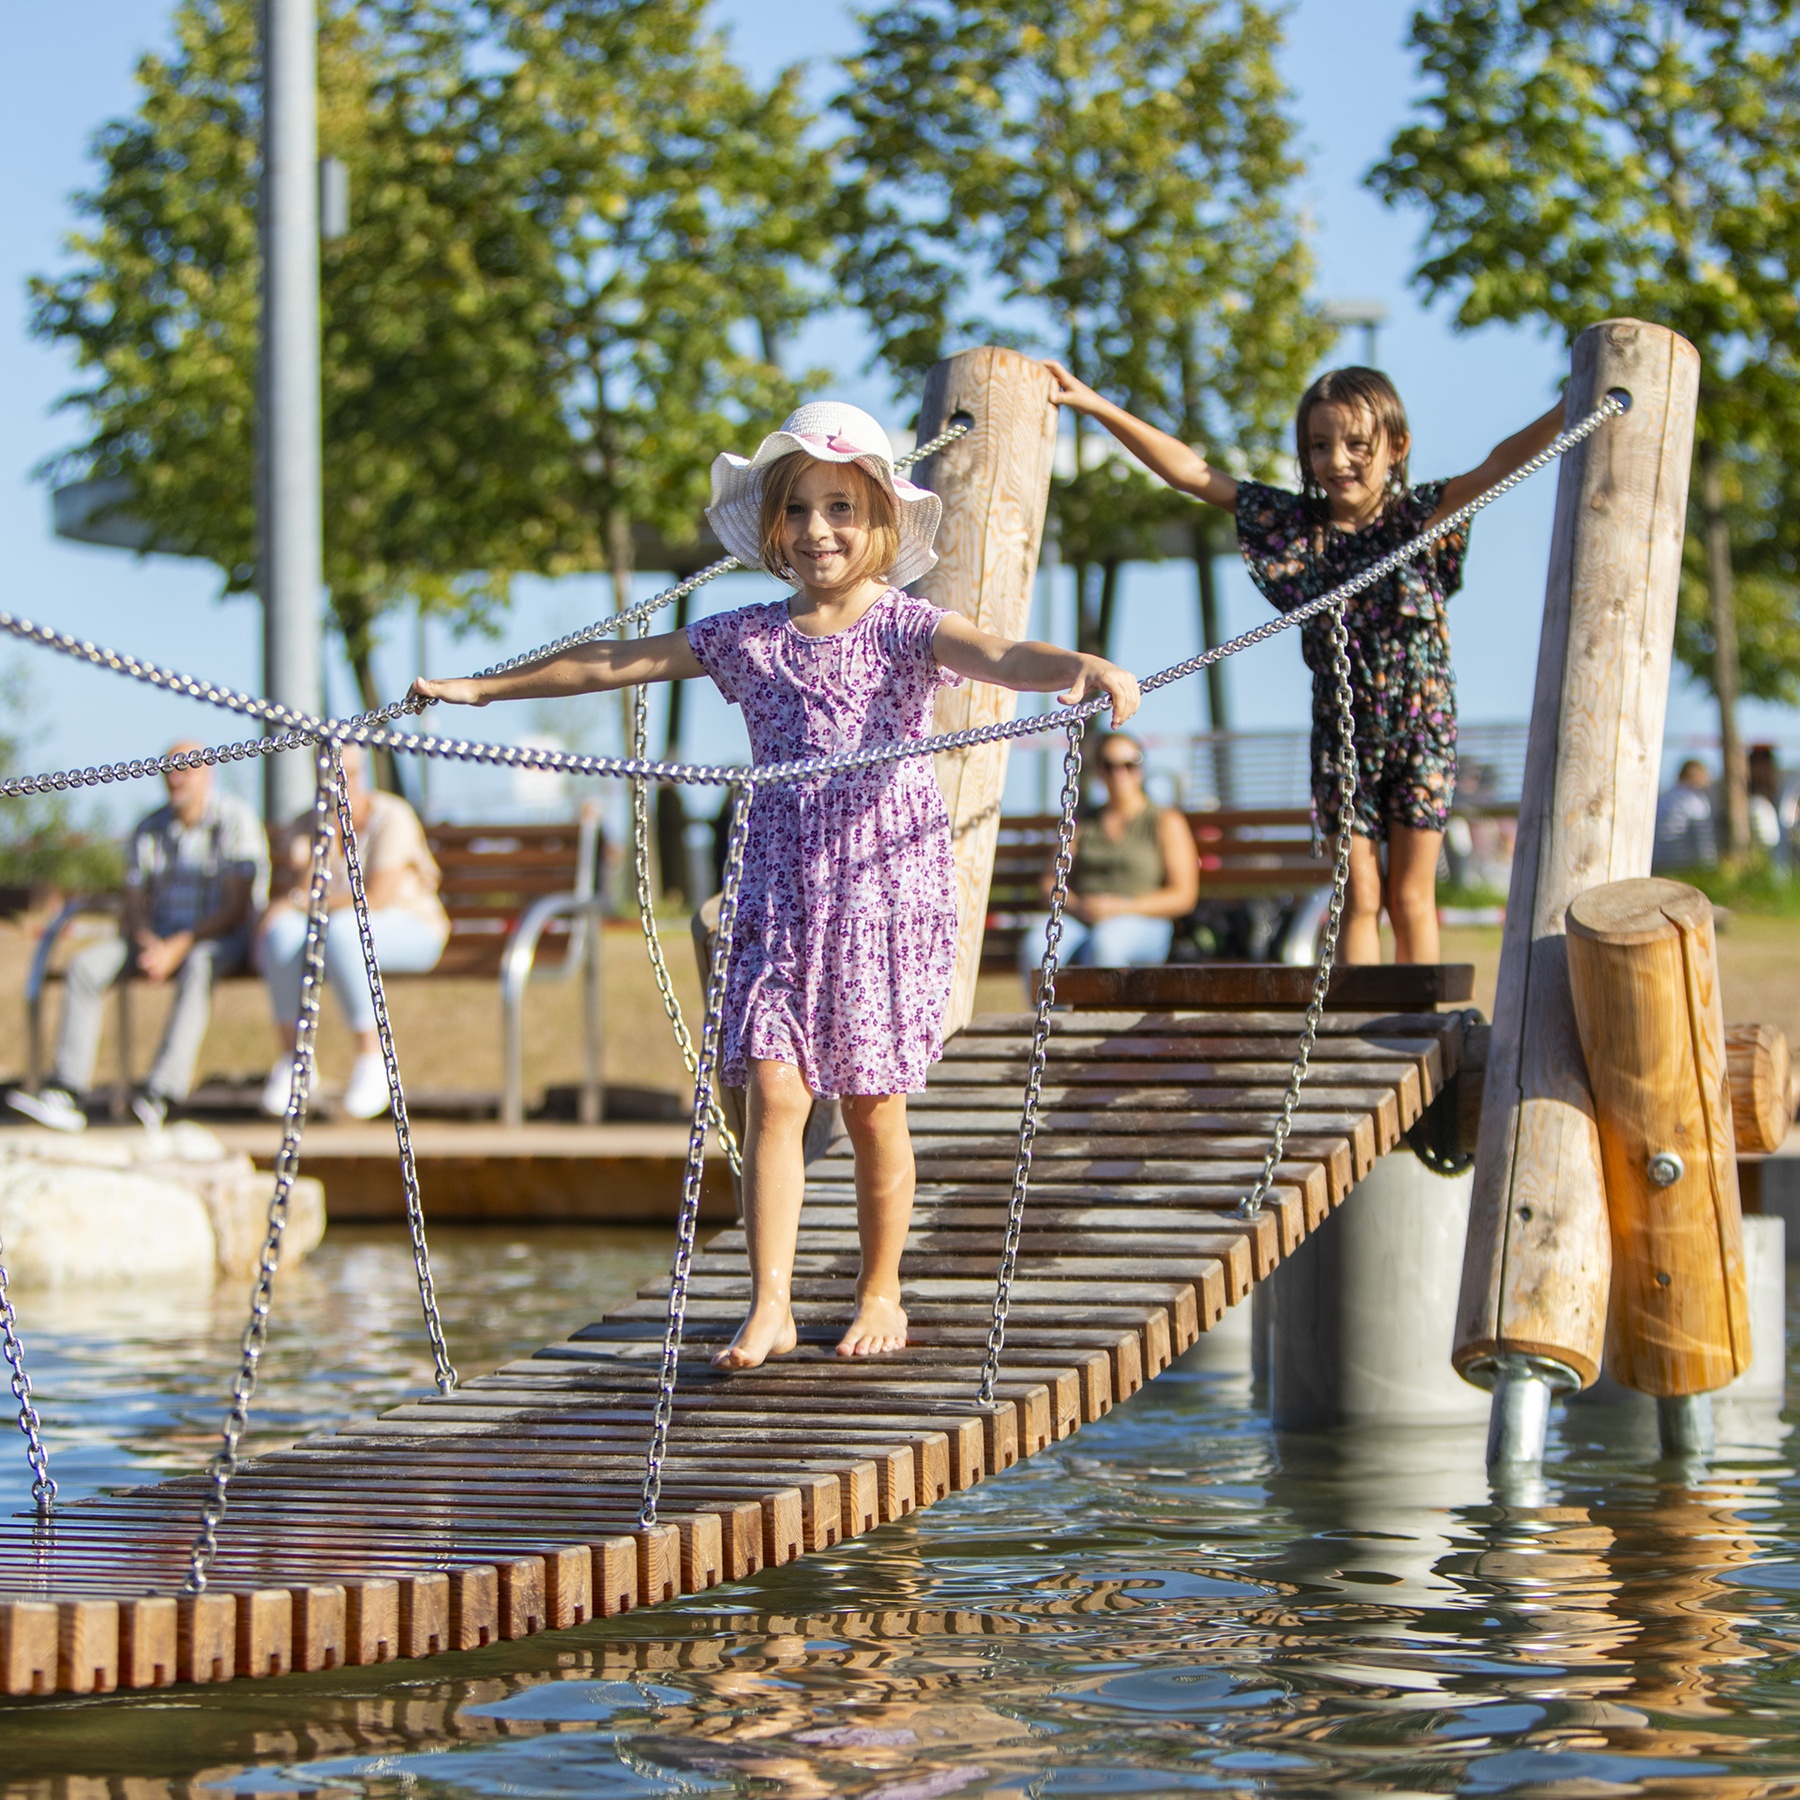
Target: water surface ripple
x,y
1176,1601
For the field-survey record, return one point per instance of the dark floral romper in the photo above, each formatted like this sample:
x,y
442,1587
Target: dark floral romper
x,y
1400,677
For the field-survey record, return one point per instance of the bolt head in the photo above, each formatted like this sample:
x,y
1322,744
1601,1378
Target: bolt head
x,y
1666,1168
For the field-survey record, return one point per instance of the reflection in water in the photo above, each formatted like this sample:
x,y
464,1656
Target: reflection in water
x,y
1174,1600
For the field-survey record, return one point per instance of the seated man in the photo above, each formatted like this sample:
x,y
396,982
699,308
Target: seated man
x,y
196,873
1686,829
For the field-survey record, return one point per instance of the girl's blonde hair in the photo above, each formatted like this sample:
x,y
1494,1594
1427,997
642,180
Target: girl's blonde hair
x,y
1365,390
874,503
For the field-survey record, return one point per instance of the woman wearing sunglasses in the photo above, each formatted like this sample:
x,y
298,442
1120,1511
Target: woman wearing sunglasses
x,y
1135,873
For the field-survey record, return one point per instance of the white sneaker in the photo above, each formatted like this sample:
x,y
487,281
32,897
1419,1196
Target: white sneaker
x,y
366,1096
277,1089
54,1107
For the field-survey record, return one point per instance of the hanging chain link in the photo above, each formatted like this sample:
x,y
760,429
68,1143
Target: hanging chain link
x,y
287,1167
565,762
712,1027
646,904
1040,1053
444,1371
43,1489
1252,1202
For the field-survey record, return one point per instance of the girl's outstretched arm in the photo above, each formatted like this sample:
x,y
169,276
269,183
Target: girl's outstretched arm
x,y
1179,464
1505,456
587,669
1032,668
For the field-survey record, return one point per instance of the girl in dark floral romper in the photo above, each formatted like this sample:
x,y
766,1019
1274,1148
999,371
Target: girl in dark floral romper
x,y
1356,504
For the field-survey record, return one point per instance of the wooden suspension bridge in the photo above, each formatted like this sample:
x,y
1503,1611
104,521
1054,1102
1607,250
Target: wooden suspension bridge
x,y
508,1507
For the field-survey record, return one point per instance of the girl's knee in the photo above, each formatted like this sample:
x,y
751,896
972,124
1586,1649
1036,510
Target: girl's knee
x,y
868,1117
778,1093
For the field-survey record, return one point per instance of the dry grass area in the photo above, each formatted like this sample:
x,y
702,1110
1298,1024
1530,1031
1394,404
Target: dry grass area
x,y
449,1031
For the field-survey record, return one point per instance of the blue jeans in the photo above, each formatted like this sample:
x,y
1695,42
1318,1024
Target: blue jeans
x,y
1125,941
404,943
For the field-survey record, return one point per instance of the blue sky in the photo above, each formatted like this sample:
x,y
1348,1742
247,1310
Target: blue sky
x,y
69,70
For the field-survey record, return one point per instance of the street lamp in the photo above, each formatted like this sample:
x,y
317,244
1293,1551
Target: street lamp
x,y
1371,315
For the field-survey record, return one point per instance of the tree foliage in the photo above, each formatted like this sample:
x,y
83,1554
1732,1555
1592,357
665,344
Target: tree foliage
x,y
1106,179
1580,159
546,310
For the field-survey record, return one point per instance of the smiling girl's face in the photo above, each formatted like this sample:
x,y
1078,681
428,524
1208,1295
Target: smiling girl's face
x,y
825,527
1350,459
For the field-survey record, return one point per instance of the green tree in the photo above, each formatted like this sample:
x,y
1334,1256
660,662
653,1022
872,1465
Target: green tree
x,y
575,227
1108,179
1577,159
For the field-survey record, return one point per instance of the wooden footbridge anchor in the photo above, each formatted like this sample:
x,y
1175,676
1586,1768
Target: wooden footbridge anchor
x,y
508,1507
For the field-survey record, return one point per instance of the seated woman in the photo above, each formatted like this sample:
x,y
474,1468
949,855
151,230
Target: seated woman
x,y
406,918
1135,873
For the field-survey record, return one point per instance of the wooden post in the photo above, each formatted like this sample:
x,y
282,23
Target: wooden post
x,y
1538,1264
1644,974
995,485
1762,1087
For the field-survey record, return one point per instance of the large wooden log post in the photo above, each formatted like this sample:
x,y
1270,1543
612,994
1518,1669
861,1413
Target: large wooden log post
x,y
1538,1264
995,485
1644,974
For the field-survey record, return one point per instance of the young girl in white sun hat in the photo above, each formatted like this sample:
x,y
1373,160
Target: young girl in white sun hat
x,y
846,925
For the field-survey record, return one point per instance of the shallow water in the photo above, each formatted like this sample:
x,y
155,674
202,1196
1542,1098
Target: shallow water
x,y
1174,1601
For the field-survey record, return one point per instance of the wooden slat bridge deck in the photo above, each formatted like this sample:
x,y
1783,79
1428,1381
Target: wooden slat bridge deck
x,y
509,1507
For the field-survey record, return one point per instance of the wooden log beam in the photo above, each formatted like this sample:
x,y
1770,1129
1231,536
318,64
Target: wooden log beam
x,y
1644,974
995,486
1762,1087
1538,1264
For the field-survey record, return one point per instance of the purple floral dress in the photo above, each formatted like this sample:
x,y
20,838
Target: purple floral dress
x,y
1400,676
846,924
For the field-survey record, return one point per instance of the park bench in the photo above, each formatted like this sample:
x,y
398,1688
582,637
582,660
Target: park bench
x,y
523,905
1258,871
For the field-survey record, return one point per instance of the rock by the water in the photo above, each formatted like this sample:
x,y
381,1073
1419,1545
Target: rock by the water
x,y
121,1204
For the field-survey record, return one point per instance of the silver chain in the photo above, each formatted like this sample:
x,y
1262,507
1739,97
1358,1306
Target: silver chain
x,y
1034,1075
444,1370
687,1223
287,1167
1252,1202
640,851
43,1489
564,762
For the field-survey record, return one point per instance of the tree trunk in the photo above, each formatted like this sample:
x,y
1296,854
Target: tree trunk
x,y
1218,696
1735,784
356,626
1109,597
671,810
1086,627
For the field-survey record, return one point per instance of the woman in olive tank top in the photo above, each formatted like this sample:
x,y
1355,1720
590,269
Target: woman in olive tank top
x,y
1135,873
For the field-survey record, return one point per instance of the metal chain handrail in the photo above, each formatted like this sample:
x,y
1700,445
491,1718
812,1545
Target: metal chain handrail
x,y
443,1370
43,1488
1252,1202
1034,1074
563,762
688,1220
287,1166
646,905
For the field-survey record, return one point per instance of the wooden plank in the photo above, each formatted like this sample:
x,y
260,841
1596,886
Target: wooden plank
x,y
1406,987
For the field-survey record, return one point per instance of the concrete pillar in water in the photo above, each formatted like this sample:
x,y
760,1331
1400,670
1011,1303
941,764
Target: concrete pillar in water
x,y
1362,1317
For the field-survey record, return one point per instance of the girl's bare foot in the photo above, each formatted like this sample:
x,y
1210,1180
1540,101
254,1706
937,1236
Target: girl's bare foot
x,y
769,1331
880,1324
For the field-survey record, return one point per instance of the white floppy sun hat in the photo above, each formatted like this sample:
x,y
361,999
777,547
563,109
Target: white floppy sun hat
x,y
831,431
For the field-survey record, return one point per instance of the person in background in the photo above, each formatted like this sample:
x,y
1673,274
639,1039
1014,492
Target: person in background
x,y
1768,830
1135,873
196,871
407,919
1686,832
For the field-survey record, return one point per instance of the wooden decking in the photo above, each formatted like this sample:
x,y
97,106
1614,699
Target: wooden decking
x,y
508,1507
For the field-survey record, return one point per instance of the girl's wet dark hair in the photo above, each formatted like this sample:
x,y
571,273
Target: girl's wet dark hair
x,y
1366,390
